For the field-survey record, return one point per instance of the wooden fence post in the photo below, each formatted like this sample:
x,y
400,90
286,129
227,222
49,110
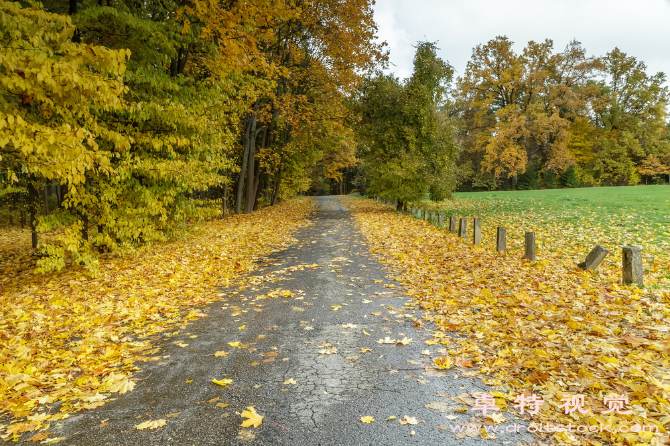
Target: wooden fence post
x,y
452,224
463,227
440,220
594,258
477,231
530,246
632,265
501,239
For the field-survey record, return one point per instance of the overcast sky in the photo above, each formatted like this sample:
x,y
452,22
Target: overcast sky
x,y
639,28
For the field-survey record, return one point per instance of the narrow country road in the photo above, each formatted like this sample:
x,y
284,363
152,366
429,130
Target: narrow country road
x,y
281,341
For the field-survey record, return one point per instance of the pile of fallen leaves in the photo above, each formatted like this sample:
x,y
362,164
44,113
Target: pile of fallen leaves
x,y
67,341
542,327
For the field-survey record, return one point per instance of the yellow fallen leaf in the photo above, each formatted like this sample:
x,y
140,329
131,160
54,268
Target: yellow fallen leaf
x,y
241,327
290,381
408,420
234,344
221,353
367,419
52,440
254,419
121,384
222,382
404,341
150,424
444,362
183,345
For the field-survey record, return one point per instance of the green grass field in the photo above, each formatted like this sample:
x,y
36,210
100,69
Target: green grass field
x,y
569,222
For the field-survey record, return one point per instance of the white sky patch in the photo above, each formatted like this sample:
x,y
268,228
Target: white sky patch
x,y
641,29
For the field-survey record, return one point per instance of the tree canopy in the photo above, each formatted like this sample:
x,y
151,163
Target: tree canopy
x,y
122,122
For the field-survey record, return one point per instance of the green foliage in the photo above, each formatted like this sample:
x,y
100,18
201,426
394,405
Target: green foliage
x,y
569,178
549,179
407,141
529,180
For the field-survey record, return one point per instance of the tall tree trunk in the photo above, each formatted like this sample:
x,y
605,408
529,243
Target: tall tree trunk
x,y
225,199
257,180
84,228
33,197
275,195
46,200
243,170
277,184
251,168
257,171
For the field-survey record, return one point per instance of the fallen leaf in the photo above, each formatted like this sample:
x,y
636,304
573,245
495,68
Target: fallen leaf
x,y
328,351
439,405
221,353
290,381
408,420
246,435
444,362
150,424
254,419
40,436
367,419
222,382
404,341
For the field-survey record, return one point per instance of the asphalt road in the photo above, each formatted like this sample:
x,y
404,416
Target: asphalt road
x,y
329,266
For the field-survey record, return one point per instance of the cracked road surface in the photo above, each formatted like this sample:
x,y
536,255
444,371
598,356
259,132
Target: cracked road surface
x,y
305,338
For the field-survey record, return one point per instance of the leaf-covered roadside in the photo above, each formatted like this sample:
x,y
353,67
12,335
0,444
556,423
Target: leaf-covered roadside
x,y
68,340
535,327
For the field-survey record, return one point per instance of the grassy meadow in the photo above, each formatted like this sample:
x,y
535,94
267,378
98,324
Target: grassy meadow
x,y
569,222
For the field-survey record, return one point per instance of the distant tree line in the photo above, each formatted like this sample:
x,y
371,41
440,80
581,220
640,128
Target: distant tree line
x,y
529,120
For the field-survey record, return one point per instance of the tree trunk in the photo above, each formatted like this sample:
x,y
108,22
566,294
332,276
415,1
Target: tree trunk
x,y
251,168
243,171
46,200
257,171
72,7
400,205
84,228
260,185
275,195
225,199
33,196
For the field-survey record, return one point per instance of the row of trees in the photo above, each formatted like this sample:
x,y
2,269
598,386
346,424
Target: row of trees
x,y
542,111
121,122
538,118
